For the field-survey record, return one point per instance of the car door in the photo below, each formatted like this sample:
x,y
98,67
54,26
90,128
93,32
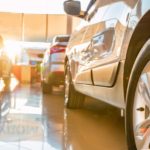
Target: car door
x,y
105,45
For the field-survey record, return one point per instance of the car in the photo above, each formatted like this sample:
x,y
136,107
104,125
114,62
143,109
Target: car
x,y
108,58
60,39
52,67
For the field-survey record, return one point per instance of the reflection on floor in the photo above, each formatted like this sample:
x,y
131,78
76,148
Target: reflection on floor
x,y
32,121
24,127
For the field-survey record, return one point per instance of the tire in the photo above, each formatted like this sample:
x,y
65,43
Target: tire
x,y
46,88
73,99
138,102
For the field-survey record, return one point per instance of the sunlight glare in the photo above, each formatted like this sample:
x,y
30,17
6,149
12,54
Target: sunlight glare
x,y
13,84
13,49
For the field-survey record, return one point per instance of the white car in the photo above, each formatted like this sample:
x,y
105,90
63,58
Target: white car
x,y
52,67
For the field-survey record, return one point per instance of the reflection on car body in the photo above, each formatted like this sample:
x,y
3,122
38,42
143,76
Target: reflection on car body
x,y
108,58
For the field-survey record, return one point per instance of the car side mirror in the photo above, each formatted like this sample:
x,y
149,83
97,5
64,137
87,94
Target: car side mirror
x,y
73,7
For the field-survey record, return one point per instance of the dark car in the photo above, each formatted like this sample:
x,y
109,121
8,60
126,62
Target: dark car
x,y
52,67
108,58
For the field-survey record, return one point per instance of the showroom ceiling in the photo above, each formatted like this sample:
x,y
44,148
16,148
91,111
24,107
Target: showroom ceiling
x,y
35,21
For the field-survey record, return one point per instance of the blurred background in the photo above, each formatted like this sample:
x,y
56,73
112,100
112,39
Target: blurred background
x,y
29,27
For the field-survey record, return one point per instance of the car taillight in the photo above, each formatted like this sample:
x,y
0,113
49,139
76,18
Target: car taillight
x,y
57,49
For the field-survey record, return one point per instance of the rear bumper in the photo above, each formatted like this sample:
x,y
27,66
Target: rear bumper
x,y
56,78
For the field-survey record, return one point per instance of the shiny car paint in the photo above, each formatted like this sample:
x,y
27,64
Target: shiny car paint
x,y
100,49
53,67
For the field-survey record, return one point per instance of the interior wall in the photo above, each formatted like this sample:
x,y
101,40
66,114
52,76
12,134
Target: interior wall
x,y
56,25
11,26
32,27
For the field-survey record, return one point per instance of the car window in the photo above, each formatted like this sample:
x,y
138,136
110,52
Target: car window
x,y
99,15
62,39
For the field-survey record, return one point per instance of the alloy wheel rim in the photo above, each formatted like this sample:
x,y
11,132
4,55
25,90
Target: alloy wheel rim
x,y
141,110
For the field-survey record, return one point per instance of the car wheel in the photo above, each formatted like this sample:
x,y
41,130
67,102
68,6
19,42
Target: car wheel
x,y
73,99
138,102
46,88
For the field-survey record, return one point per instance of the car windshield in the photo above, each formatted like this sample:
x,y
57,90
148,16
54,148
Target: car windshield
x,y
62,39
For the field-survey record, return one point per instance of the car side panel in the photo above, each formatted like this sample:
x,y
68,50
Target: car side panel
x,y
107,47
84,77
112,95
124,28
105,75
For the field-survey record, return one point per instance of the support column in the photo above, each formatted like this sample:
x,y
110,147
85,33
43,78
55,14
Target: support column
x,y
69,24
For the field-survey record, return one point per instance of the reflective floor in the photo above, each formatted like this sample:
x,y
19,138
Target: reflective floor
x,y
32,121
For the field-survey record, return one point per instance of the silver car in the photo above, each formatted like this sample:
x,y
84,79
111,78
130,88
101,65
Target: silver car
x,y
108,58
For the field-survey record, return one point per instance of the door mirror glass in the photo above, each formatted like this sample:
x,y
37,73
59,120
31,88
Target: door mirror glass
x,y
72,7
